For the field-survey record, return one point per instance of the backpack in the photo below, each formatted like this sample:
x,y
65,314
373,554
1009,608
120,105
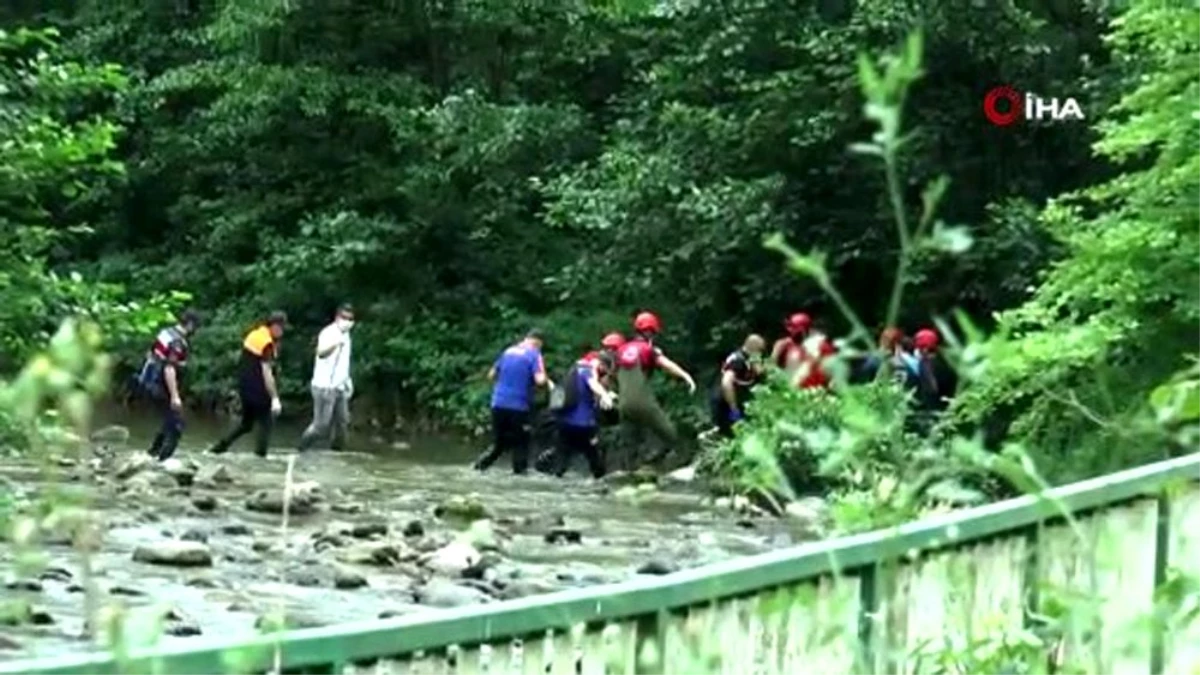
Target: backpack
x,y
149,378
569,391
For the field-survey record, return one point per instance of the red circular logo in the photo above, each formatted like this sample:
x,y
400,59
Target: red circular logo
x,y
991,105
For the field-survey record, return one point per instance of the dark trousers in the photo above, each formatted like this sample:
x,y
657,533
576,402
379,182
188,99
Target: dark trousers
x,y
167,439
721,417
510,433
254,413
573,440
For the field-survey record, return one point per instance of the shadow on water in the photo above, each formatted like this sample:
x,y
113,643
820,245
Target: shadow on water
x,y
257,567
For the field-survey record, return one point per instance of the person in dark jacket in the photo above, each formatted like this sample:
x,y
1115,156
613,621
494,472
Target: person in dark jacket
x,y
257,387
740,372
161,378
578,422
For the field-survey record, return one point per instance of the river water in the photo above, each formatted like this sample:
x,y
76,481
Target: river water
x,y
258,568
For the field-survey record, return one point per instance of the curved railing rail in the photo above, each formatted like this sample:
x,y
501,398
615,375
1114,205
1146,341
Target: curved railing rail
x,y
866,603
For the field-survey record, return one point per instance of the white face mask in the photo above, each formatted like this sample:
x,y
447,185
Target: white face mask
x,y
345,324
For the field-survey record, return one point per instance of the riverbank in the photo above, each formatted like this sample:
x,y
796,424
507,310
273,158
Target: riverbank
x,y
201,540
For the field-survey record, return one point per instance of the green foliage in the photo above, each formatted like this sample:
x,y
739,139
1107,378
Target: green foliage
x,y
463,171
55,158
1073,367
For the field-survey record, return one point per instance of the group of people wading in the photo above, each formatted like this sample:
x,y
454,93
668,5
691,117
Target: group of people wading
x,y
587,396
161,376
585,399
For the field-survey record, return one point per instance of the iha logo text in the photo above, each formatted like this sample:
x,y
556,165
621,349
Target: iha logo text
x,y
1004,106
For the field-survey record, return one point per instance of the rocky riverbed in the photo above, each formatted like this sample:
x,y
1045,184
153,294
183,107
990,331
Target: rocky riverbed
x,y
200,543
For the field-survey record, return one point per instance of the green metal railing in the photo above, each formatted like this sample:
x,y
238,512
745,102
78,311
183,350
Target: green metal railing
x,y
864,603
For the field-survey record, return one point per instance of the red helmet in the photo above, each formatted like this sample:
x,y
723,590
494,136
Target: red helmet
x,y
797,323
926,340
647,323
613,341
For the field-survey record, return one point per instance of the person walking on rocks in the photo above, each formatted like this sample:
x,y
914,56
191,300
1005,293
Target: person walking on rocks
x,y
332,386
517,372
161,378
257,387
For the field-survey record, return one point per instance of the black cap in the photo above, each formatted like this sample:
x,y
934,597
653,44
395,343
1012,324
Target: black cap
x,y
189,317
345,307
535,334
277,318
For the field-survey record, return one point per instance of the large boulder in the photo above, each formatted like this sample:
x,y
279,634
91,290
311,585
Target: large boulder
x,y
302,499
174,553
452,559
463,508
183,472
213,476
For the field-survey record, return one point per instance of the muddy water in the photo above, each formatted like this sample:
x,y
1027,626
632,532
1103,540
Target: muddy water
x,y
260,568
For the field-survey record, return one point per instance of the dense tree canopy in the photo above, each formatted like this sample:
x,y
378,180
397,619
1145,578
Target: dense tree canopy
x,y
463,170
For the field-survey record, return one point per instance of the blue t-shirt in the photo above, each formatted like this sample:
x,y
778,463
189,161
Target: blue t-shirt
x,y
515,370
582,412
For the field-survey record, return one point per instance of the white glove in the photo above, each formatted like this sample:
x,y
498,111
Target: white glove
x,y
276,406
348,388
607,400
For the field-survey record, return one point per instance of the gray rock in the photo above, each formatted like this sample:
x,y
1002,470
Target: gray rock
x,y
113,433
445,594
413,528
369,530
133,464
658,566
452,559
236,529
56,574
810,514
348,579
174,553
205,503
304,500
181,629
372,553
195,535
272,622
184,473
214,475
523,588
27,585
564,535
147,482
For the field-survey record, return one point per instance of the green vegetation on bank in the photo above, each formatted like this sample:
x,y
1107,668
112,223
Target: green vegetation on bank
x,y
464,171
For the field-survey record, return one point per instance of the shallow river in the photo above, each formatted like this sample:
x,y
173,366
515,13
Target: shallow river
x,y
552,534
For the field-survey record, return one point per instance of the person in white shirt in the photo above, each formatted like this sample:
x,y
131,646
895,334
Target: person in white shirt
x,y
332,386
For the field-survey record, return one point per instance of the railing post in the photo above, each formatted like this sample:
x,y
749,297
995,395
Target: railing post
x,y
868,607
1031,579
648,657
1162,553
